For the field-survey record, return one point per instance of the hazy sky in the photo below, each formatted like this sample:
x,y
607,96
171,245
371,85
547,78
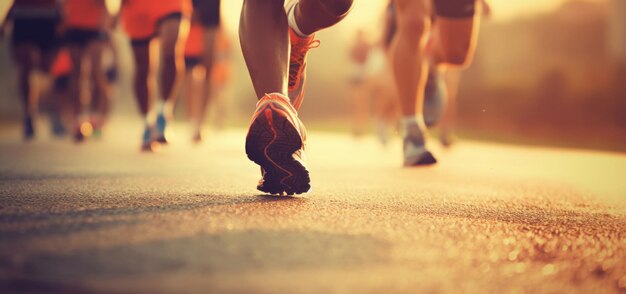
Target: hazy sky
x,y
365,10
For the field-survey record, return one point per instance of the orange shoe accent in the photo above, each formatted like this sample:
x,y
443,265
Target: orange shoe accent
x,y
276,141
297,65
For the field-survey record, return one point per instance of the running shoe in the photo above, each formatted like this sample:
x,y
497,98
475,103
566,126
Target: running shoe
x,y
161,123
29,130
78,136
58,128
275,141
197,137
97,122
414,147
82,130
297,66
97,133
146,140
447,138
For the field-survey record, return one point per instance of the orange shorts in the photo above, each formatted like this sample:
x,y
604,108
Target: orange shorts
x,y
142,17
195,41
83,14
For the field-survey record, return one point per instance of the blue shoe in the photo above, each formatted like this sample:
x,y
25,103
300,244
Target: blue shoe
x,y
161,123
58,129
29,130
434,98
146,141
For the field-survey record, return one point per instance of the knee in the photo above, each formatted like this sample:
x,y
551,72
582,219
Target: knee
x,y
413,28
337,7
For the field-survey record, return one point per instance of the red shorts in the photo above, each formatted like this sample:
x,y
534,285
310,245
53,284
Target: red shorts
x,y
195,41
142,17
83,14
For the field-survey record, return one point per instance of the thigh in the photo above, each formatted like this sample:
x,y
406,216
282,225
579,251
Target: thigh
x,y
408,8
24,55
141,54
457,31
170,32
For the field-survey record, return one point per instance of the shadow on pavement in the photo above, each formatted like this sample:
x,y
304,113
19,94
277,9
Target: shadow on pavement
x,y
141,209
42,224
226,252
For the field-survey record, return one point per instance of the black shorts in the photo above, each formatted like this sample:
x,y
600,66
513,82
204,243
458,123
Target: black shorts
x,y
82,37
41,32
192,61
455,8
208,12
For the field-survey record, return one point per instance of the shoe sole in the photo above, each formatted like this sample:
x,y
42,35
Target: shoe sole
x,y
271,142
161,140
424,159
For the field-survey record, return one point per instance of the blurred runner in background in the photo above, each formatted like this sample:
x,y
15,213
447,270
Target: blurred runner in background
x,y
167,23
85,34
200,57
442,88
359,84
456,30
221,78
35,26
59,103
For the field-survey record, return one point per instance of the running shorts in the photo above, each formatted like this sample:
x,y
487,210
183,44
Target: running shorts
x,y
143,17
195,40
82,37
208,12
40,31
455,8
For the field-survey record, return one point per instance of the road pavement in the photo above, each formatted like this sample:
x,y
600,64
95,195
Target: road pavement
x,y
101,217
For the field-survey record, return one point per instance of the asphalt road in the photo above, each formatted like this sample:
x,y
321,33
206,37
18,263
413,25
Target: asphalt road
x,y
489,218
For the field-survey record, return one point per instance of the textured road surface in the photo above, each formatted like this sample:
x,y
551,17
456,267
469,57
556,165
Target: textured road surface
x,y
489,218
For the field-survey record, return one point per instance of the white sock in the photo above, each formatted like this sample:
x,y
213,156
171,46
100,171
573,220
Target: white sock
x,y
408,121
410,127
291,18
158,107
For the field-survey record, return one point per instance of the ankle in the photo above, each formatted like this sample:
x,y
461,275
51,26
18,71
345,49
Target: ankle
x,y
293,23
